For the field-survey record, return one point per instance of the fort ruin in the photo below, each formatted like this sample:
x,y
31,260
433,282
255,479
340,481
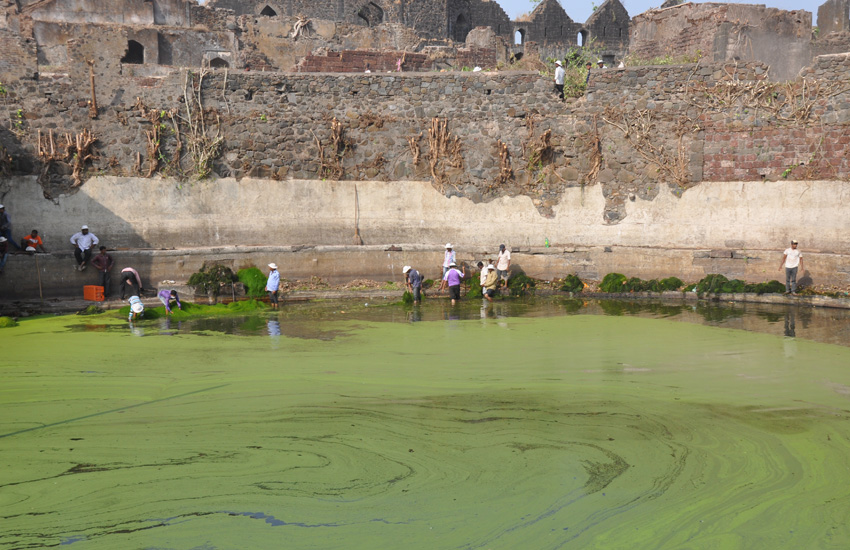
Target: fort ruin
x,y
193,111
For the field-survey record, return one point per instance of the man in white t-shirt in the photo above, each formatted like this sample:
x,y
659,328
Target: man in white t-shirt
x,y
503,265
560,74
792,260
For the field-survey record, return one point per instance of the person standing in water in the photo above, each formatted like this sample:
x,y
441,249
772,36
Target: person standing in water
x,y
452,279
273,284
413,280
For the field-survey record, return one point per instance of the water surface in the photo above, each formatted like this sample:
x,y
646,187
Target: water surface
x,y
519,425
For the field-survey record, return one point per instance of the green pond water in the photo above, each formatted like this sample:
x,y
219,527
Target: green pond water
x,y
524,425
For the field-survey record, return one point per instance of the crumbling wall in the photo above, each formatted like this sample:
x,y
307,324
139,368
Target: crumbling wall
x,y
726,32
834,16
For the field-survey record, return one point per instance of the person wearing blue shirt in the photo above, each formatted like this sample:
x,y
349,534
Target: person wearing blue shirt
x,y
273,284
414,283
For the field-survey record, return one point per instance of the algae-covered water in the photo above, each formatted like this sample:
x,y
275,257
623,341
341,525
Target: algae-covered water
x,y
347,426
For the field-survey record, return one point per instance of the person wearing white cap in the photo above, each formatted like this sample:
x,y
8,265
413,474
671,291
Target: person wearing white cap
x,y
83,242
137,309
273,284
448,259
560,74
490,283
452,279
413,280
4,252
791,261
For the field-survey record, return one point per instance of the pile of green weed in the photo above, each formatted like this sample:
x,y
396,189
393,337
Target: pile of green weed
x,y
521,284
254,281
7,322
90,310
715,283
210,278
407,298
191,311
571,283
613,283
617,282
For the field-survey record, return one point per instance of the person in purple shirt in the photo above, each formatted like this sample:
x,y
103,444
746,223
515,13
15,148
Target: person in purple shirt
x,y
165,296
452,279
103,263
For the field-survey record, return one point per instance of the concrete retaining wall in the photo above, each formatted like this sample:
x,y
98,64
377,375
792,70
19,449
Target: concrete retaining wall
x,y
738,229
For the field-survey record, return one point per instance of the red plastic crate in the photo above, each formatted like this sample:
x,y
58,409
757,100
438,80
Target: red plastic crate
x,y
93,293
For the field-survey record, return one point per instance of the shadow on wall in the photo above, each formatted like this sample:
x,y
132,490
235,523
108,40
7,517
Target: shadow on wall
x,y
56,220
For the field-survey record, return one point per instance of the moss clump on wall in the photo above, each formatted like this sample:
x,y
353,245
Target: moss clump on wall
x,y
6,322
254,281
571,283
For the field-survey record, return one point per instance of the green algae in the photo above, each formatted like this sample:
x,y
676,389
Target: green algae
x,y
487,433
6,322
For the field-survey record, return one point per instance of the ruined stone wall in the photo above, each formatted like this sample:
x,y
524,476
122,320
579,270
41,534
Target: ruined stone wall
x,y
726,32
640,132
834,16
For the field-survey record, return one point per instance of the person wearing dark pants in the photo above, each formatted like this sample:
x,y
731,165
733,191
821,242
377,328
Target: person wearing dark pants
x,y
83,242
273,284
103,263
792,261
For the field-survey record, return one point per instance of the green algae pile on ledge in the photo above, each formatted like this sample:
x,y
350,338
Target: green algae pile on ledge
x,y
555,432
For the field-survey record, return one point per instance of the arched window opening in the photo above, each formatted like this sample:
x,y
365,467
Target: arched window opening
x,y
268,12
461,29
581,38
519,37
219,63
604,31
135,53
371,14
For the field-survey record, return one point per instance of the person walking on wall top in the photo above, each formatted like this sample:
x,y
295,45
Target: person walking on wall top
x,y
792,260
449,258
560,74
273,285
83,242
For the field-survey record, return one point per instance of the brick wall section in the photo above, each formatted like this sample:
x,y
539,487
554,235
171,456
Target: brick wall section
x,y
356,61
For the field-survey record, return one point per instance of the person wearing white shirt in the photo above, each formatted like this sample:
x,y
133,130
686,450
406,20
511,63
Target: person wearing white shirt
x,y
83,242
560,74
791,261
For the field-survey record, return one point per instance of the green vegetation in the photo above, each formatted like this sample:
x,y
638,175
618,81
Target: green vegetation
x,y
211,278
254,281
92,310
571,283
617,282
6,322
191,311
521,284
715,283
